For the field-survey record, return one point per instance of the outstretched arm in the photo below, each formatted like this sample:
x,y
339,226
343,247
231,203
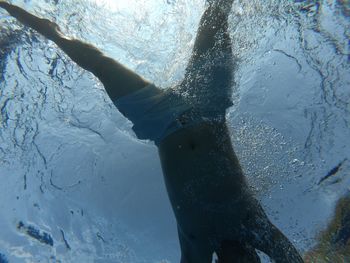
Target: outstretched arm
x,y
117,79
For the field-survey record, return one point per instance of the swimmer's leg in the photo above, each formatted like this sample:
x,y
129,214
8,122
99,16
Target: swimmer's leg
x,y
213,33
117,79
211,64
192,251
231,252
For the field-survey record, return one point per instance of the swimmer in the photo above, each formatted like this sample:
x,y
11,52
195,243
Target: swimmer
x,y
214,207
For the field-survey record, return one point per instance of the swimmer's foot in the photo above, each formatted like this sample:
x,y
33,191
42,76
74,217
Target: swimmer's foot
x,y
4,4
223,5
43,26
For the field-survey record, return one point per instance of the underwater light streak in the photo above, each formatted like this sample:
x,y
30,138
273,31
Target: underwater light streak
x,y
117,5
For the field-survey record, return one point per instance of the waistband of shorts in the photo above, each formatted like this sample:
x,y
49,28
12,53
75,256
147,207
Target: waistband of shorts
x,y
188,119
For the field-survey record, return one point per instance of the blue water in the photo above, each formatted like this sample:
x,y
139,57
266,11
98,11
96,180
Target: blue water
x,y
72,170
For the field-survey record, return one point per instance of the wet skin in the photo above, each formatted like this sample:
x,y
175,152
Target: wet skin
x,y
214,208
206,185
213,205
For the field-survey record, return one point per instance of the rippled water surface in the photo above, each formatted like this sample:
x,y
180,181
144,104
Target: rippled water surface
x,y
77,186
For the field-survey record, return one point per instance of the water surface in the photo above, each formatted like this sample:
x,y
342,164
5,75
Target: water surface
x,y
71,168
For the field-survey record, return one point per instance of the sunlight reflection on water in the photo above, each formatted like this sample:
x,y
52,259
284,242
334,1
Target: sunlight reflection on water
x,y
68,157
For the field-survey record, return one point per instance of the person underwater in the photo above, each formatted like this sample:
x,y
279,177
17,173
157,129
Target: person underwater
x,y
212,202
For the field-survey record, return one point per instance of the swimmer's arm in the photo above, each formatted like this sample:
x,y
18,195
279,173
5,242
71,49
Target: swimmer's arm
x,y
117,79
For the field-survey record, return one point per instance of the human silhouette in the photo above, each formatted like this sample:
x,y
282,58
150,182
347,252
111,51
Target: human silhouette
x,y
214,207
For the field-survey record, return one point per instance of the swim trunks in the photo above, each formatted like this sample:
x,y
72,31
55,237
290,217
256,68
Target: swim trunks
x,y
152,111
157,113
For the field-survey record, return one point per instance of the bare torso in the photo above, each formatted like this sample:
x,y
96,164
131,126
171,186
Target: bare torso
x,y
204,180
